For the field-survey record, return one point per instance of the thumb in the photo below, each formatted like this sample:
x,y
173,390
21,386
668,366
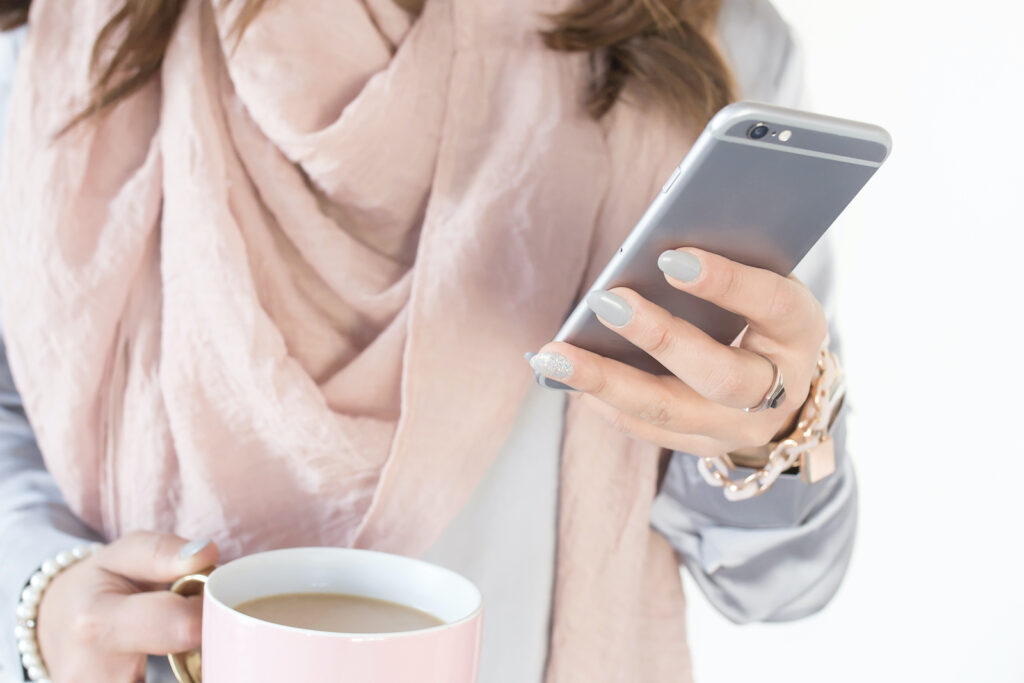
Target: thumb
x,y
149,557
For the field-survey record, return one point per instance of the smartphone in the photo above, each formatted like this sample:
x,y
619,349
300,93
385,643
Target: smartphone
x,y
760,186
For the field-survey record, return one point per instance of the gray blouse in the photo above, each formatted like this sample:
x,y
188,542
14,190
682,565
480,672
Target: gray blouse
x,y
776,557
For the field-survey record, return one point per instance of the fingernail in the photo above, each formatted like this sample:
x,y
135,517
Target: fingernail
x,y
554,384
544,381
551,364
193,548
611,307
682,265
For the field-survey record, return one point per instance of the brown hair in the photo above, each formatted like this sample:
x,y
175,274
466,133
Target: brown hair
x,y
657,49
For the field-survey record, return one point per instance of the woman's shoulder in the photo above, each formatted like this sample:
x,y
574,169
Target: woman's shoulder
x,y
763,51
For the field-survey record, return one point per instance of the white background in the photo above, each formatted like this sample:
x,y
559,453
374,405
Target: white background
x,y
931,261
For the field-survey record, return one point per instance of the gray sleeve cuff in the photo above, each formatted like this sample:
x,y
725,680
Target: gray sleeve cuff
x,y
35,525
35,522
776,557
20,556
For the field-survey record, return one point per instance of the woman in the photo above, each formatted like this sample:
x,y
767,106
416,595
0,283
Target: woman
x,y
277,290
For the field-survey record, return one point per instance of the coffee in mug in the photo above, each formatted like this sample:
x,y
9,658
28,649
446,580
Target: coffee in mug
x,y
338,612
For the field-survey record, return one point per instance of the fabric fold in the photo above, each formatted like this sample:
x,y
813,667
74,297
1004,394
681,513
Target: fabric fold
x,y
280,295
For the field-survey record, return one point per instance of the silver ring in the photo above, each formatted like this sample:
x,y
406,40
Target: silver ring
x,y
776,393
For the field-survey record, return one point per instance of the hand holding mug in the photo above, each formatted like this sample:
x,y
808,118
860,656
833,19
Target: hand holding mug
x,y
100,619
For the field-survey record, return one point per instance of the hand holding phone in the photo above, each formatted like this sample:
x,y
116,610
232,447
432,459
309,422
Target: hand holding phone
x,y
698,406
760,186
657,350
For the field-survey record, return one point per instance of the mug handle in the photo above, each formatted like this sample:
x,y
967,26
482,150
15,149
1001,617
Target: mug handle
x,y
187,666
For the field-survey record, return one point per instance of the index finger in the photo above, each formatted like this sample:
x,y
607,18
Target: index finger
x,y
776,306
153,558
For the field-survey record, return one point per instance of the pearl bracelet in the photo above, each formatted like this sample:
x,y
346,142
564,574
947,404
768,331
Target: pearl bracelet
x,y
28,608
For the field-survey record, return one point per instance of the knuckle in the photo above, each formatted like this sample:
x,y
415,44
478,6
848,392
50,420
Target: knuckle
x,y
149,548
724,385
165,548
658,412
619,421
87,627
600,385
161,550
784,301
144,544
660,340
728,283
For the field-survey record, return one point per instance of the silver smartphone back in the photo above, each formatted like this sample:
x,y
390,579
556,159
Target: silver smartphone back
x,y
763,201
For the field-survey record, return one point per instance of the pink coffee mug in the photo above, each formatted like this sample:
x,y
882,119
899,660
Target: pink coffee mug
x,y
237,647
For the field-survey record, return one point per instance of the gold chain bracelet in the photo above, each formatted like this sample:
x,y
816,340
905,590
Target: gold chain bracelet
x,y
809,445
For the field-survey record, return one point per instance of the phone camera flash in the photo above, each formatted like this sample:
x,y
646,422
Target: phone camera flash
x,y
785,135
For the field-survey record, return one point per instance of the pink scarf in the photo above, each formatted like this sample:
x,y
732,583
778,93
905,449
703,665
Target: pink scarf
x,y
281,296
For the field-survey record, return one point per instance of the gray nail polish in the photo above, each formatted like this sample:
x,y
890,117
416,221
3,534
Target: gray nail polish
x,y
193,548
552,365
682,265
528,355
611,307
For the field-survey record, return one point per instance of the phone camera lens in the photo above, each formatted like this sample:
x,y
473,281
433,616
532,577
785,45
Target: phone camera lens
x,y
758,131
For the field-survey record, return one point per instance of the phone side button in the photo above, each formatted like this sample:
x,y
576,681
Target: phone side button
x,y
671,179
